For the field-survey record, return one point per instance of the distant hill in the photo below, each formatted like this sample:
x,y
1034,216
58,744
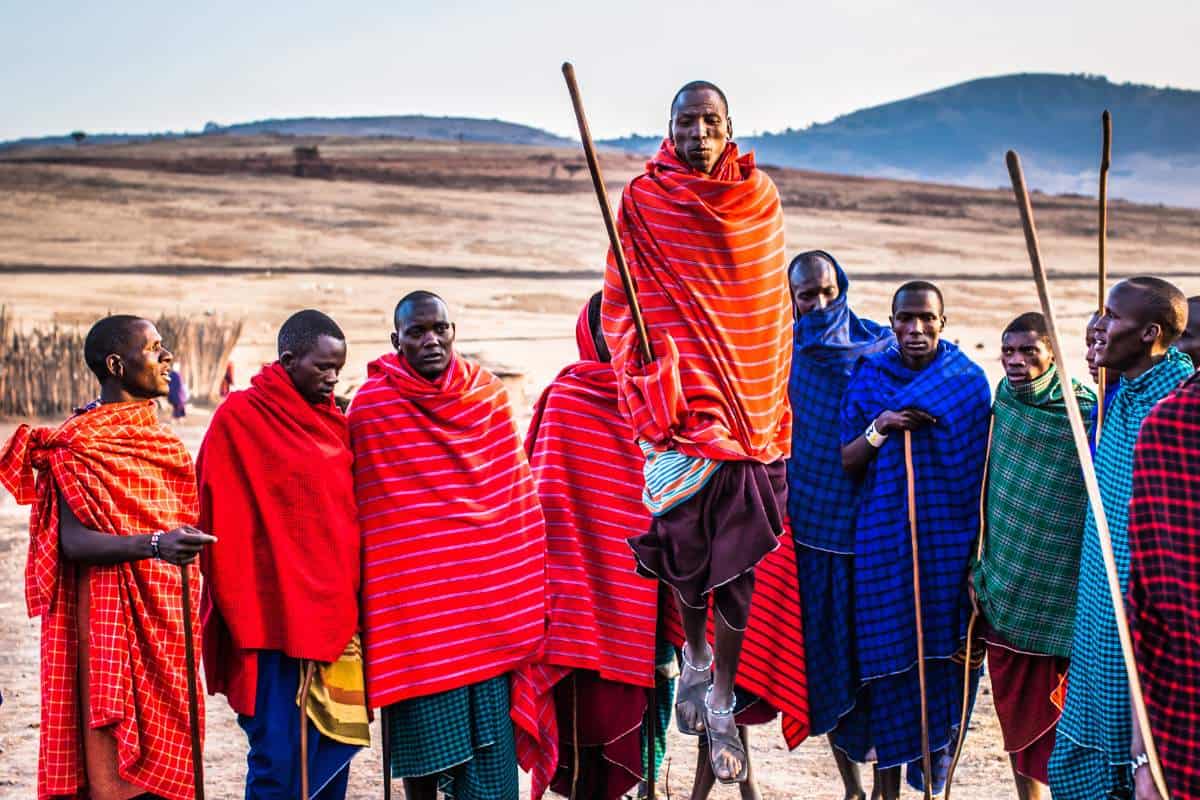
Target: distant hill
x,y
465,129
959,135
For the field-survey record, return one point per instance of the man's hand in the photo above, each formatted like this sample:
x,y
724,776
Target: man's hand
x,y
971,591
1143,785
183,544
907,420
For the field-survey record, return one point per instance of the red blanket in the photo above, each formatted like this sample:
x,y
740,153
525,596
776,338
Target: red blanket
x,y
453,537
1164,581
277,490
707,257
122,473
601,614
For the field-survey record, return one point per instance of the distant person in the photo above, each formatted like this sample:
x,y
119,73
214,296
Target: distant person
x,y
1189,340
1142,319
114,495
702,232
598,675
1164,589
227,380
829,341
177,396
927,386
453,544
1025,582
277,489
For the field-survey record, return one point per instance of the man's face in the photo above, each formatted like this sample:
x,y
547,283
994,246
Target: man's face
x,y
700,128
1025,356
315,373
813,289
917,321
144,368
1090,339
1123,338
1189,341
425,337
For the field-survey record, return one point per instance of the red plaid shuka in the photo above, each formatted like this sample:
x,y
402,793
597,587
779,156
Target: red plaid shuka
x,y
452,532
1164,581
123,473
601,615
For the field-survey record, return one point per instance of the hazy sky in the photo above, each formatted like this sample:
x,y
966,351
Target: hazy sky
x,y
124,66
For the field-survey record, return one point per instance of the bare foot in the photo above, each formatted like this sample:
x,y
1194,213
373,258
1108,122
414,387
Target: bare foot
x,y
725,748
693,683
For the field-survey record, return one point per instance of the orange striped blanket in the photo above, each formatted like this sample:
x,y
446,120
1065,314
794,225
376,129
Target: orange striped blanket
x,y
706,253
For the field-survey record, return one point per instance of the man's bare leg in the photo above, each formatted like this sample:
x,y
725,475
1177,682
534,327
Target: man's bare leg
x,y
696,652
849,772
1027,787
423,788
887,784
703,784
728,653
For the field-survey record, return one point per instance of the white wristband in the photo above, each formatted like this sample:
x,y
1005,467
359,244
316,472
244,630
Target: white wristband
x,y
874,437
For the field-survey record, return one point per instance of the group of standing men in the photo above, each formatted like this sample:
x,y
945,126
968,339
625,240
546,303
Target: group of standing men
x,y
414,556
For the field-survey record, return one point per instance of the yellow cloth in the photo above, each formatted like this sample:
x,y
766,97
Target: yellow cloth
x,y
337,698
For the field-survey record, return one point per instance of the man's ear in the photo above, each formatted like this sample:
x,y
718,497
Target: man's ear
x,y
287,360
671,129
395,341
115,365
729,127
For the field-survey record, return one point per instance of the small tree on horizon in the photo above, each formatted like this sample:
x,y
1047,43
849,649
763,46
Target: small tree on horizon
x,y
78,136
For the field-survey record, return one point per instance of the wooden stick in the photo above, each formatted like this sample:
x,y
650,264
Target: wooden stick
x,y
1102,227
385,736
966,693
926,758
189,652
610,224
1089,471
307,671
651,736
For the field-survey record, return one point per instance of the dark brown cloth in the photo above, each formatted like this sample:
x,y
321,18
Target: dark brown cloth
x,y
711,542
1022,687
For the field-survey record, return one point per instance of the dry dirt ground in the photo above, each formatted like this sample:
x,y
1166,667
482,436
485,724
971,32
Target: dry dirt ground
x,y
515,244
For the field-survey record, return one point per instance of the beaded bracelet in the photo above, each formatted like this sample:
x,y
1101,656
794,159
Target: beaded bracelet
x,y
154,544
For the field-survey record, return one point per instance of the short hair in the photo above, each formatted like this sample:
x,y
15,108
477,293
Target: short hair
x,y
411,299
1030,322
109,335
696,86
593,312
302,330
809,261
1163,302
919,286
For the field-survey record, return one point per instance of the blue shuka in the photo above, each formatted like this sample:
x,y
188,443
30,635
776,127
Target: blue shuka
x,y
948,460
822,498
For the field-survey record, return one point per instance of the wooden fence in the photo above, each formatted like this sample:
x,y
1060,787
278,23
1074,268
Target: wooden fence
x,y
42,372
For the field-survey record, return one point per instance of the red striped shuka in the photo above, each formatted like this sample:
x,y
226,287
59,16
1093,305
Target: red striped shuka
x,y
1164,581
706,253
452,532
601,614
121,472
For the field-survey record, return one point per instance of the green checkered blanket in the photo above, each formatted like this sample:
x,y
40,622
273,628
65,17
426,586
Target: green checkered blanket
x,y
1036,504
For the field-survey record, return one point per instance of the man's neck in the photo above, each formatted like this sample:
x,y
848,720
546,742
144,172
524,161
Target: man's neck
x,y
115,393
1144,364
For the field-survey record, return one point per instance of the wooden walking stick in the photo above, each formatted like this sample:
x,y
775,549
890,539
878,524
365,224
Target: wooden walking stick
x,y
385,737
610,224
652,736
307,671
1089,472
189,653
979,543
910,479
1101,289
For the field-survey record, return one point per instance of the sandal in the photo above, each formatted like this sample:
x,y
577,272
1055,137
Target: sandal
x,y
729,743
693,693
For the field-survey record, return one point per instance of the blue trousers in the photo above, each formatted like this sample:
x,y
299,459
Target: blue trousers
x,y
273,765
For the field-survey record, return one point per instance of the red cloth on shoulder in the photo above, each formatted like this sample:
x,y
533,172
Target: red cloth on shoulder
x,y
277,490
706,253
601,615
123,473
452,532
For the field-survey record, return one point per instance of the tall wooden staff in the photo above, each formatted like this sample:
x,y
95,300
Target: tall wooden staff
x,y
610,224
385,736
911,481
189,652
1089,472
1102,227
639,323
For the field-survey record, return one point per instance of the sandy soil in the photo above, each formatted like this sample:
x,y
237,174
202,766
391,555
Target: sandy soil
x,y
516,247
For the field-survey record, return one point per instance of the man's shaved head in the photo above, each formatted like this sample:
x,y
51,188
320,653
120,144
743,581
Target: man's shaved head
x,y
810,264
113,334
697,86
300,333
913,287
1029,322
411,301
1189,342
1161,303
